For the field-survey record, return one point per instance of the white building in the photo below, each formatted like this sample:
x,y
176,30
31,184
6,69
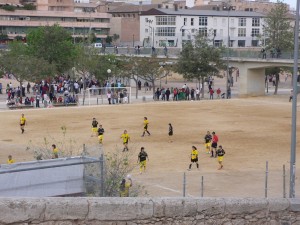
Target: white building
x,y
172,27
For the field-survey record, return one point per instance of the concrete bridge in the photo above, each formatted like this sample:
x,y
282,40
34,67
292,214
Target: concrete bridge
x,y
249,62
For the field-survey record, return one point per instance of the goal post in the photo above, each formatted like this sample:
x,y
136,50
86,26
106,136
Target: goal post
x,y
99,95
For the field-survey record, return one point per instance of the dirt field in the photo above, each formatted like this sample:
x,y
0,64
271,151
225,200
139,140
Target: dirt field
x,y
251,131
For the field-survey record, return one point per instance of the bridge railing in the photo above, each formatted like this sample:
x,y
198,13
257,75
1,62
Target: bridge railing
x,y
174,52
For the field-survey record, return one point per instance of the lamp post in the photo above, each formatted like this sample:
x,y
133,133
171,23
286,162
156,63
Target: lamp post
x,y
228,8
294,107
133,40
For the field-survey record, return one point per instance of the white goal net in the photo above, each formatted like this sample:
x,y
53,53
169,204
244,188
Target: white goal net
x,y
109,95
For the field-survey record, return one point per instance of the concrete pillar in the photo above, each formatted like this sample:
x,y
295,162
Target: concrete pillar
x,y
252,81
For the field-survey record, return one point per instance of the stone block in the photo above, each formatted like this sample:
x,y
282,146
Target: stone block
x,y
278,204
120,209
210,206
245,205
66,208
173,207
18,210
294,204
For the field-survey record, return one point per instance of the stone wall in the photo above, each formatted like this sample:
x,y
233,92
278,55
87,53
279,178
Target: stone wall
x,y
122,211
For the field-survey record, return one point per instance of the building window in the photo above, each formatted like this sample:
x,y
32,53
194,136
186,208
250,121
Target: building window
x,y
242,22
165,31
215,22
255,32
184,21
254,43
255,22
221,32
203,31
146,30
218,43
165,20
223,22
241,32
202,21
146,20
182,32
241,43
192,21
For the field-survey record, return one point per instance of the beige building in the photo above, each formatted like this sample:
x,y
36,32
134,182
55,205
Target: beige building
x,y
240,5
17,23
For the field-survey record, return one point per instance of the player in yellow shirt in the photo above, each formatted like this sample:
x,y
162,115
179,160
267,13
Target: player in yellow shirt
x,y
10,160
194,157
100,134
94,127
22,123
124,187
54,152
125,137
146,123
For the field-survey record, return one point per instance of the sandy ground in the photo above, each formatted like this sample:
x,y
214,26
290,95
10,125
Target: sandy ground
x,y
252,131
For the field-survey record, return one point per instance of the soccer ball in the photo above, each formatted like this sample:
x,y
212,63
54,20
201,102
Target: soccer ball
x,y
128,176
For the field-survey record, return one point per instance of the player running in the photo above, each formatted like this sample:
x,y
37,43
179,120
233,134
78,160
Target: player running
x,y
207,140
194,157
100,134
125,136
146,123
94,127
22,123
220,153
142,157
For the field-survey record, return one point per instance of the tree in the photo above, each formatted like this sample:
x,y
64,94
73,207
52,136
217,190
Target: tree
x,y
23,66
108,39
115,37
149,70
53,44
199,60
278,29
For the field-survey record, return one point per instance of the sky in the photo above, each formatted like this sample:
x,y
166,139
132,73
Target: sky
x,y
292,3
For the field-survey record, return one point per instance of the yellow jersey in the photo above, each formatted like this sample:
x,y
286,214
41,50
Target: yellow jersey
x,y
55,150
194,154
125,137
22,120
125,192
10,161
146,122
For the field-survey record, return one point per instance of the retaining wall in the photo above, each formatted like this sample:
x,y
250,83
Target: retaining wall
x,y
159,211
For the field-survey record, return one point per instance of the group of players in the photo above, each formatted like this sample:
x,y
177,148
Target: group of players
x,y
211,144
142,157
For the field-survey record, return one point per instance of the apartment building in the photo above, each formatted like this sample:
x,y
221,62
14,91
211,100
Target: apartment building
x,y
79,23
174,27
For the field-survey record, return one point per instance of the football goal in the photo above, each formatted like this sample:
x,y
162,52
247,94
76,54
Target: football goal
x,y
109,95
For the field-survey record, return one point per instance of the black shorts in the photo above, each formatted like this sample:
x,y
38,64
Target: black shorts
x,y
194,160
170,133
214,145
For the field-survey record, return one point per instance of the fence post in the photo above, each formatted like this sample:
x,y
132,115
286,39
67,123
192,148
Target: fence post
x,y
97,100
102,174
184,184
83,149
266,180
284,193
202,186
